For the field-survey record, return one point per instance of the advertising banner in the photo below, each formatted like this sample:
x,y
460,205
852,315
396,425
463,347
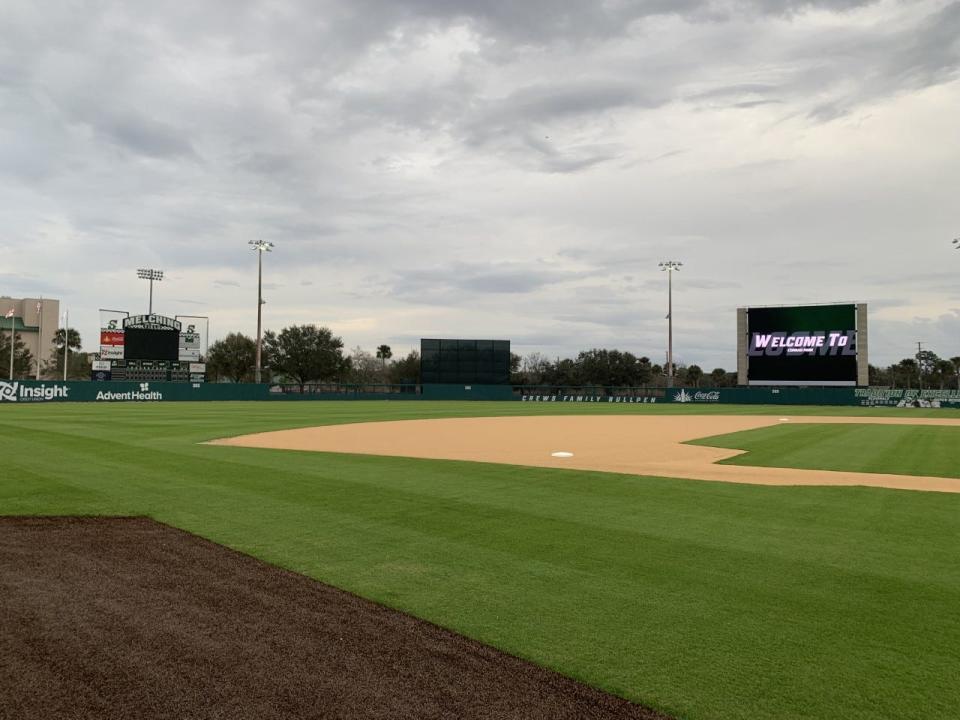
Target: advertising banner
x,y
111,334
193,337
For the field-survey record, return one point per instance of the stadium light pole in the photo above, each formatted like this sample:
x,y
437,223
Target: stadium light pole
x,y
151,275
260,246
668,266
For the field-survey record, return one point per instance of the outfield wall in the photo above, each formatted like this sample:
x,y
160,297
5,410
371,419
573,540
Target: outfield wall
x,y
28,391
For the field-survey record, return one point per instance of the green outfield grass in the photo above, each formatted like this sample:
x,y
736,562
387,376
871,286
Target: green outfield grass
x,y
707,600
897,449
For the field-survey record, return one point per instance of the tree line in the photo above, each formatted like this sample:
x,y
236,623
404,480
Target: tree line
x,y
24,364
304,354
925,370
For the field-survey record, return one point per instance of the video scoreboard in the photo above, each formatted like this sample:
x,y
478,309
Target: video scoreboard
x,y
815,345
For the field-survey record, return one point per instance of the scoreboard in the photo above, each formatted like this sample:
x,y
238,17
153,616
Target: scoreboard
x,y
812,345
143,344
149,347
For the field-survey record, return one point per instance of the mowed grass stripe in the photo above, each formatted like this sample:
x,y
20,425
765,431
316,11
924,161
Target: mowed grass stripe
x,y
898,449
707,600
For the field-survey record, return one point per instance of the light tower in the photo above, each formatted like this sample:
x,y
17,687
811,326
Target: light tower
x,y
260,246
668,266
151,275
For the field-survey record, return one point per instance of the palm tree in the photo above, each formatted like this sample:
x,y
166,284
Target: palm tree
x,y
694,373
384,353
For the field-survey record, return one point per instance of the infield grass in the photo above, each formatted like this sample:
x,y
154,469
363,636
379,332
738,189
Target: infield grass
x,y
897,449
706,600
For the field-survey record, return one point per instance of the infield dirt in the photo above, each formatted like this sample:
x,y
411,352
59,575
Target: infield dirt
x,y
128,618
632,444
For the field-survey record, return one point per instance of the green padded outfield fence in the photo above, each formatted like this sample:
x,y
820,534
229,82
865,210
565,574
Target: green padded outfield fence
x,y
28,391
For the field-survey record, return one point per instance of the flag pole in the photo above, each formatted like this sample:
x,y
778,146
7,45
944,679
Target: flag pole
x,y
13,341
66,343
39,334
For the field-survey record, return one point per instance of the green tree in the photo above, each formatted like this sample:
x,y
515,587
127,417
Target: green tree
x,y
406,370
611,368
566,372
927,360
306,353
878,376
943,373
233,358
22,357
955,361
384,353
905,373
73,338
718,377
694,375
79,364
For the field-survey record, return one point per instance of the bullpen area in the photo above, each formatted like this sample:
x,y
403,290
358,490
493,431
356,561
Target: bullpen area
x,y
348,581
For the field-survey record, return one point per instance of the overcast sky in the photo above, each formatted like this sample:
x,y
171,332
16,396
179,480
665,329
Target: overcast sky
x,y
488,168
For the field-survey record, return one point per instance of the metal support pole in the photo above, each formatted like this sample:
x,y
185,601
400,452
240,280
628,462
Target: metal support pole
x,y
13,338
39,334
150,306
670,329
260,246
259,312
919,367
668,266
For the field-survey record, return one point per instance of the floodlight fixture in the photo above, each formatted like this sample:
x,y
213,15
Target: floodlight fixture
x,y
151,275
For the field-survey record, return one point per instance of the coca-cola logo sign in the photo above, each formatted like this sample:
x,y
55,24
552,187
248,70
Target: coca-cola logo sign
x,y
685,396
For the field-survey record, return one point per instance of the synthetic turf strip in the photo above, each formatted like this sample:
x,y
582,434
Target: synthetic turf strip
x,y
125,617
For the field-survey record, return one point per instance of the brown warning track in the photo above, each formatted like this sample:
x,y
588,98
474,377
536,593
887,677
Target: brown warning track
x,y
128,618
651,445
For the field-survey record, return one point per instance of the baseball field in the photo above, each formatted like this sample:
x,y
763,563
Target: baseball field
x,y
697,598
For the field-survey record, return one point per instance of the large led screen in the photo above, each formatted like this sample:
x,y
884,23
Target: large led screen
x,y
805,345
150,344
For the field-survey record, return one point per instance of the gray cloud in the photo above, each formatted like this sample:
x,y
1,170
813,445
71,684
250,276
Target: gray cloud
x,y
460,280
487,167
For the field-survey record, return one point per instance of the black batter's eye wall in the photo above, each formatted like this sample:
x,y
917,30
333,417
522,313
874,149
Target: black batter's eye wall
x,y
465,362
821,345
